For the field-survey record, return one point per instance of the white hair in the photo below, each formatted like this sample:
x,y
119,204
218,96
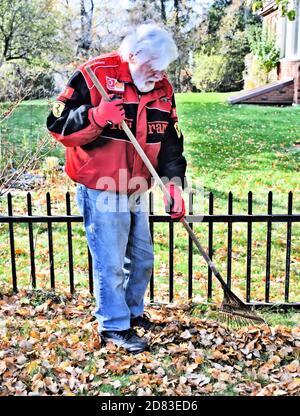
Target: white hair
x,y
149,42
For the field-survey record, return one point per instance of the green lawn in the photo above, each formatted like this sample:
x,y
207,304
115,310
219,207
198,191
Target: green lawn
x,y
237,148
26,126
241,147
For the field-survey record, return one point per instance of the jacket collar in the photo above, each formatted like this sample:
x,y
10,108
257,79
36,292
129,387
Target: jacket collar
x,y
124,75
123,72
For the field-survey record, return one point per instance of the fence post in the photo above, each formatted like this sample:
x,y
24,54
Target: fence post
x,y
70,244
50,242
249,249
288,249
12,243
151,210
210,245
190,255
269,242
229,241
90,267
31,243
171,260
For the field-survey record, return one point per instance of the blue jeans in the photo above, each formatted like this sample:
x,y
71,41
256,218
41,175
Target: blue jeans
x,y
121,247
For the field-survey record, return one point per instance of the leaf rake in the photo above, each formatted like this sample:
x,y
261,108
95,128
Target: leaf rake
x,y
233,311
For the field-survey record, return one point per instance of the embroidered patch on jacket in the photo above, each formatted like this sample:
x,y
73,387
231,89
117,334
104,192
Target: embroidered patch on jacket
x,y
58,108
178,131
174,113
68,92
114,85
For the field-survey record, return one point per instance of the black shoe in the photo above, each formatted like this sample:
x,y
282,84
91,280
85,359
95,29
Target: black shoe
x,y
127,339
142,321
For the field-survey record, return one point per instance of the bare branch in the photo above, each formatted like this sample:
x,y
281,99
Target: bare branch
x,y
29,161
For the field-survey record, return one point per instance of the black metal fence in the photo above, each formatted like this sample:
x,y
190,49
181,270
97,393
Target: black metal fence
x,y
211,218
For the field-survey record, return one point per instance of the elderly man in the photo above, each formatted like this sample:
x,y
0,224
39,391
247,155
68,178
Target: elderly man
x,y
108,171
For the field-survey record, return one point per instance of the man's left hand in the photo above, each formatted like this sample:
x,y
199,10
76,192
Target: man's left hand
x,y
177,208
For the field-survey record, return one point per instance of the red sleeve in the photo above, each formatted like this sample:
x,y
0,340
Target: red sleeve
x,y
71,121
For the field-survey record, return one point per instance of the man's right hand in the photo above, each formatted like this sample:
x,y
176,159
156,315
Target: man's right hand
x,y
109,111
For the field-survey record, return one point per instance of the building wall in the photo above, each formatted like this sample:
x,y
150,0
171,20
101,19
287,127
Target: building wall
x,y
291,69
290,63
292,38
271,21
287,34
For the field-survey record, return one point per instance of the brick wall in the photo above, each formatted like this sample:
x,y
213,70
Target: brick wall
x,y
291,69
283,95
297,86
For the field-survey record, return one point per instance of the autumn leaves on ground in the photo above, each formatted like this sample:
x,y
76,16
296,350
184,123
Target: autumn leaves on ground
x,y
50,346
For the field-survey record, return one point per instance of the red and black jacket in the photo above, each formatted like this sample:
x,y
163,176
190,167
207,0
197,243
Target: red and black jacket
x,y
93,153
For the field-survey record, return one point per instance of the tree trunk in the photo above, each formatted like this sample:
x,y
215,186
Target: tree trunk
x,y
177,29
176,7
163,11
86,26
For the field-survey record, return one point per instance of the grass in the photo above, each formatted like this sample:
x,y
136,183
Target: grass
x,y
241,148
238,148
26,126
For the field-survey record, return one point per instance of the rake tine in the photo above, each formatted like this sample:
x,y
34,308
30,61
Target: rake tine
x,y
235,318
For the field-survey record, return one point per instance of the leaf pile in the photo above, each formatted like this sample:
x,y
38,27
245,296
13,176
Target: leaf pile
x,y
50,346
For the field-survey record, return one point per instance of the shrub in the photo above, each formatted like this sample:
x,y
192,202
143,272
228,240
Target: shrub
x,y
264,48
18,81
209,71
254,76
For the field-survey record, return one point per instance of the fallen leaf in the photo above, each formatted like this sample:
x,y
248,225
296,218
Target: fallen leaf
x,y
186,334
